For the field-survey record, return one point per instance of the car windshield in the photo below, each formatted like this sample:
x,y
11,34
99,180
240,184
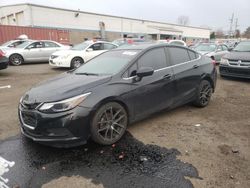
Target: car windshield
x,y
206,47
24,44
108,63
80,46
243,47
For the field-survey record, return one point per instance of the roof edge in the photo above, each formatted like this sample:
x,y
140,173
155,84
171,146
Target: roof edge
x,y
100,14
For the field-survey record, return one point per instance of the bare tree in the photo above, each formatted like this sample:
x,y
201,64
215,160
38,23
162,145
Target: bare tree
x,y
183,20
219,33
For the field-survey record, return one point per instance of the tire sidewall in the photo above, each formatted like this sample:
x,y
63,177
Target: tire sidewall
x,y
72,65
16,56
197,101
93,124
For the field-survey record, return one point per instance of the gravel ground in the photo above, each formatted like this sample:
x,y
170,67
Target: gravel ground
x,y
210,147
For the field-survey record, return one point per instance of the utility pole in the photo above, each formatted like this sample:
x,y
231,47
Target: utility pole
x,y
236,26
231,25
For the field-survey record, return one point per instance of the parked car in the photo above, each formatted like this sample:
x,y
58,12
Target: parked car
x,y
173,42
213,50
33,51
118,87
79,54
128,41
237,62
4,61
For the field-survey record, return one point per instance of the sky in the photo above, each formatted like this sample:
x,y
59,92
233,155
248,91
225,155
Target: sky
x,y
214,14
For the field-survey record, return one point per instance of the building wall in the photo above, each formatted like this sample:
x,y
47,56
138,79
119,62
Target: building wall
x,y
21,14
41,16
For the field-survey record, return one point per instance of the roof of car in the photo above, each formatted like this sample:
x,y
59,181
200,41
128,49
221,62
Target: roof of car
x,y
144,46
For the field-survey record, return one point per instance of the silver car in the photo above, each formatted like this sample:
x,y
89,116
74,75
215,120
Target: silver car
x,y
215,51
33,51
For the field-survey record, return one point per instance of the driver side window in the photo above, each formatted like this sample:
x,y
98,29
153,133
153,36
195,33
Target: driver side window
x,y
97,46
35,45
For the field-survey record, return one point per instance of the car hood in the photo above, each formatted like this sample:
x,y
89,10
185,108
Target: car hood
x,y
205,52
68,52
63,86
244,56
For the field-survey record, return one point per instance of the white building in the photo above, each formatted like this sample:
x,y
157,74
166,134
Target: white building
x,y
106,25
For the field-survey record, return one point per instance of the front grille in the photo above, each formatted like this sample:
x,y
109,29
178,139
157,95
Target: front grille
x,y
239,63
29,118
53,56
31,106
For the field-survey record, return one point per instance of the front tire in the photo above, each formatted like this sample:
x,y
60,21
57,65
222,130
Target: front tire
x,y
204,94
76,62
16,59
109,123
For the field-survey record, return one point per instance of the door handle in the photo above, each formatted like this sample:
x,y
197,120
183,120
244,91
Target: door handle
x,y
167,76
195,66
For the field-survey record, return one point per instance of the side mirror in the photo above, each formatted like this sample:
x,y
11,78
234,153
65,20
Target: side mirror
x,y
90,50
29,47
144,71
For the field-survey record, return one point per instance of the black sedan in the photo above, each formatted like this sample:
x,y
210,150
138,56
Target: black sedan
x,y
116,88
237,62
4,61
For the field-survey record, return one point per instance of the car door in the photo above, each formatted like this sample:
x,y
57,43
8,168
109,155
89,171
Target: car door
x,y
33,52
155,92
187,73
94,50
49,48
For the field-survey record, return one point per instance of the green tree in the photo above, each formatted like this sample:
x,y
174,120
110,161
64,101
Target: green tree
x,y
247,33
212,35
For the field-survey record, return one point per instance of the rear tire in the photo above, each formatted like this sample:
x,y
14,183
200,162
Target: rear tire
x,y
16,59
204,94
109,123
76,62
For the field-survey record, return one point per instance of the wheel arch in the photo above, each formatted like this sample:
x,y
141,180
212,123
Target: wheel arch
x,y
77,57
210,80
16,54
110,99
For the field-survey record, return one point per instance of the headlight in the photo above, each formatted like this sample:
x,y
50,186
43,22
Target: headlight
x,y
224,61
63,105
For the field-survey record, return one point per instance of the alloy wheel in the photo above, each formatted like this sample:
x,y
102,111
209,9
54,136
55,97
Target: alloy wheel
x,y
205,94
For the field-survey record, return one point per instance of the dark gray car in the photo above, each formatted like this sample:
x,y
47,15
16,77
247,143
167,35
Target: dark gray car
x,y
237,63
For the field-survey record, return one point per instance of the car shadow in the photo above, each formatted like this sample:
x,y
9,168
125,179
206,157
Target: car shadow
x,y
245,80
128,163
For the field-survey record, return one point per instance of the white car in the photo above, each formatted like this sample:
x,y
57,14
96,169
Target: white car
x,y
79,54
174,42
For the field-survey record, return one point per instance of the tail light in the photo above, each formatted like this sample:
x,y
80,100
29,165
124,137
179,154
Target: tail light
x,y
213,62
1,53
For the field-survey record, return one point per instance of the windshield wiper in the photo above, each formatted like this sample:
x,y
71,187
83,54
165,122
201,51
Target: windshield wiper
x,y
86,73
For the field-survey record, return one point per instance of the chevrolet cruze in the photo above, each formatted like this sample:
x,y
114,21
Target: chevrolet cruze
x,y
100,98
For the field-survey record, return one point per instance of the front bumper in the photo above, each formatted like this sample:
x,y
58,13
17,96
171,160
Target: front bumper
x,y
4,62
234,71
58,62
63,129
